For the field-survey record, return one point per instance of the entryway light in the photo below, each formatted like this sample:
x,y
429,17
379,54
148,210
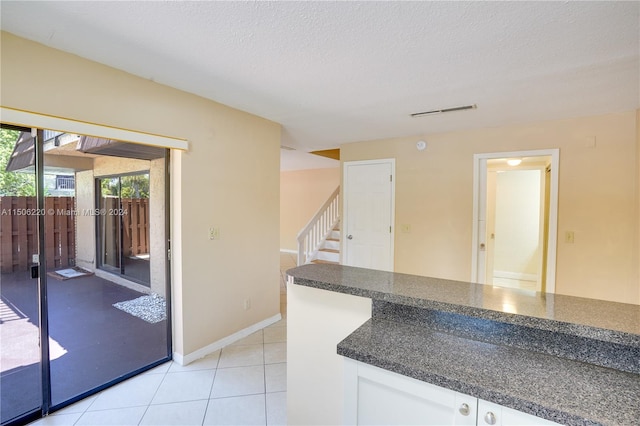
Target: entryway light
x,y
514,161
421,145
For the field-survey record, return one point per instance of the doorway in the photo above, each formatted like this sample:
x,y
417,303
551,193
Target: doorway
x,y
515,219
124,231
66,331
369,205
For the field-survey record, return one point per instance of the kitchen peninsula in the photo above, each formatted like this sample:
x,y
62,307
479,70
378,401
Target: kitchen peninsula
x,y
564,359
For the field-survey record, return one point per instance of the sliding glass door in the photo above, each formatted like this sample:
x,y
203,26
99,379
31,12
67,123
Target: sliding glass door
x,y
124,228
20,333
84,280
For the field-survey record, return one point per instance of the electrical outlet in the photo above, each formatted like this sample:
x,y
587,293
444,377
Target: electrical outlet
x,y
247,304
214,233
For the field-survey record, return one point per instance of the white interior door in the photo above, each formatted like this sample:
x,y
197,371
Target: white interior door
x,y
368,212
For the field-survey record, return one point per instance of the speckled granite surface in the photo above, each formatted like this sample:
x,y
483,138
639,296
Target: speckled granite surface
x,y
571,360
594,319
554,388
598,352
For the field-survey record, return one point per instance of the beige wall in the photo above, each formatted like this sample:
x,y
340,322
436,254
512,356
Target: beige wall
x,y
85,196
637,246
302,193
228,178
598,187
85,225
157,240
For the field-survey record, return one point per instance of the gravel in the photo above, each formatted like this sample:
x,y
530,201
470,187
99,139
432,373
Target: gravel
x,y
152,308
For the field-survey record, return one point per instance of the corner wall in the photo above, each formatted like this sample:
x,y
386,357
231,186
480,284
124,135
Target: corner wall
x,y
302,193
598,186
229,178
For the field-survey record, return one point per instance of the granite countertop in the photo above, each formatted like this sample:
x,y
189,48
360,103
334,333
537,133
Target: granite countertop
x,y
571,360
591,318
564,391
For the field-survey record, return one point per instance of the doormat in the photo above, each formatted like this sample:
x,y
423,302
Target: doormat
x,y
69,273
152,308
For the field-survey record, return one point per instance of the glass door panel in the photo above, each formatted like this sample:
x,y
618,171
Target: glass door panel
x,y
135,225
20,351
108,324
94,328
109,223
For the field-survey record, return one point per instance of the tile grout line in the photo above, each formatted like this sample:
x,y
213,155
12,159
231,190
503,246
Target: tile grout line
x,y
164,376
206,408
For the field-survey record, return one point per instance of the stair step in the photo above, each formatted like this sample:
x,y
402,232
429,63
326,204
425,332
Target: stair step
x,y
325,261
331,245
329,250
330,255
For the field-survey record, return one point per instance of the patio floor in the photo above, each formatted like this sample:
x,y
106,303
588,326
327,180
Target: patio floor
x,y
91,341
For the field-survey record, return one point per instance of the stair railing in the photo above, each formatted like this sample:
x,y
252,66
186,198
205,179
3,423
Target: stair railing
x,y
311,237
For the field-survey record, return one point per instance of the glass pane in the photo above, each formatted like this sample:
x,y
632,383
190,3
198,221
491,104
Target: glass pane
x,y
107,323
135,227
109,222
20,359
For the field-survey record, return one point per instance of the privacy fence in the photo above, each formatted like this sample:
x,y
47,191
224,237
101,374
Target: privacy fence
x,y
19,231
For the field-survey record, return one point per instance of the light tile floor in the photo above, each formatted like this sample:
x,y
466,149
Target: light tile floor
x,y
244,383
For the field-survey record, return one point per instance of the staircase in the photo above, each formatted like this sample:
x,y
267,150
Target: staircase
x,y
319,241
329,251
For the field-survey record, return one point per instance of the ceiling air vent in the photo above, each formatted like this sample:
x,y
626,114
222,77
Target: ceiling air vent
x,y
287,148
440,111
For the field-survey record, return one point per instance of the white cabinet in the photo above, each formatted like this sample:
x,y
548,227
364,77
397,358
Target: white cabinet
x,y
374,396
490,413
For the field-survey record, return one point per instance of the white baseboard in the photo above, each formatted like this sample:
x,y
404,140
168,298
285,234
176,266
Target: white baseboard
x,y
209,349
288,251
515,276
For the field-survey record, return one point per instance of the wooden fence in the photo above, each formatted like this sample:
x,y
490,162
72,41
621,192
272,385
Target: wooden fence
x,y
19,231
135,224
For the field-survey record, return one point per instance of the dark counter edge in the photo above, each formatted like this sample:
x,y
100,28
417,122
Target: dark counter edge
x,y
581,330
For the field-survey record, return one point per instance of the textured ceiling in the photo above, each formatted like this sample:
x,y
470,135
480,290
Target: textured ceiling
x,y
338,72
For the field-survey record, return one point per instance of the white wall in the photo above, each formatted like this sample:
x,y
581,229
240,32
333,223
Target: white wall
x,y
317,320
517,222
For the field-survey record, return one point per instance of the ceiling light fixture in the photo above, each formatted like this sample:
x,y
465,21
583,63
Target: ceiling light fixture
x,y
514,161
440,111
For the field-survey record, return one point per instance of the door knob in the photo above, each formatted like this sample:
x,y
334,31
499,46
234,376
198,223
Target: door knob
x,y
490,418
482,247
464,409
349,237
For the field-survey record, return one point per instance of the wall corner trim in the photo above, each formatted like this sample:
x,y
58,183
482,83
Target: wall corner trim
x,y
209,349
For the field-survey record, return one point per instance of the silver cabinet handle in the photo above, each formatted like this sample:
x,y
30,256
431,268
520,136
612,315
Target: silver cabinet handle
x,y
464,409
490,418
349,237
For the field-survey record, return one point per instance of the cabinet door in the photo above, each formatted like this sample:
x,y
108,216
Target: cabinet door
x,y
493,414
385,398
